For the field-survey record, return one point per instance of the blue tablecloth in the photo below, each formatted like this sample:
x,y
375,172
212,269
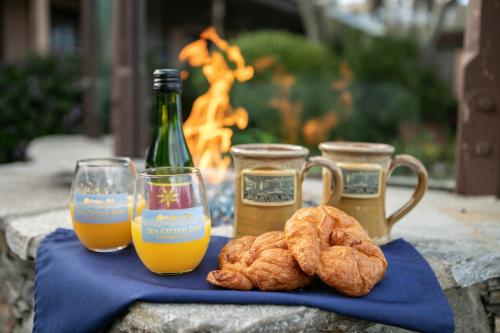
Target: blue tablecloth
x,y
79,291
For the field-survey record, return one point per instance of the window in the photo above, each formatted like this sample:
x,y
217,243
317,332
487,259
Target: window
x,y
64,34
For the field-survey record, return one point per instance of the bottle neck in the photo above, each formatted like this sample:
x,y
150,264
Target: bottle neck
x,y
168,109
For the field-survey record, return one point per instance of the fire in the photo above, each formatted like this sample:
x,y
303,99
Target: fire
x,y
316,129
289,110
207,130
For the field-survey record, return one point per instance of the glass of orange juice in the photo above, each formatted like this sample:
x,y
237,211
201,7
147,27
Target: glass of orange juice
x,y
172,232
101,203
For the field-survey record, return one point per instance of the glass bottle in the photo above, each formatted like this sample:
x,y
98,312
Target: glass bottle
x,y
168,147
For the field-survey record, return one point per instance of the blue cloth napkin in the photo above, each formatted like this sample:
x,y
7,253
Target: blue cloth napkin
x,y
80,291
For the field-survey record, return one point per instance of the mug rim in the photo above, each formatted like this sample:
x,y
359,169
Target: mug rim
x,y
269,150
357,147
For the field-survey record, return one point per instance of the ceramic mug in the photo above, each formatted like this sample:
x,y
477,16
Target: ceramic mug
x,y
365,169
269,185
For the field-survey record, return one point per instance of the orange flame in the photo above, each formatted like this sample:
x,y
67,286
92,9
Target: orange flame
x,y
207,130
290,111
316,129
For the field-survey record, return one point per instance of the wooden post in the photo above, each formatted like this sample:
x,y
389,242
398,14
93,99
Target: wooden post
x,y
218,15
478,162
310,20
91,123
40,17
130,81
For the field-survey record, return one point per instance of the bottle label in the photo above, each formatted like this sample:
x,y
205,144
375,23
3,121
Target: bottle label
x,y
101,208
268,187
361,180
173,225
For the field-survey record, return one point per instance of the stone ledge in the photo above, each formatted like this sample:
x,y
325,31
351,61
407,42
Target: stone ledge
x,y
470,316
457,235
33,187
24,234
158,318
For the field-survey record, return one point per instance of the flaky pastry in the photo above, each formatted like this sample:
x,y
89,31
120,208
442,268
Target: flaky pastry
x,y
262,262
332,245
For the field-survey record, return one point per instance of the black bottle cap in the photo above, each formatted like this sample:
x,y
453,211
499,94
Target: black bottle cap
x,y
166,79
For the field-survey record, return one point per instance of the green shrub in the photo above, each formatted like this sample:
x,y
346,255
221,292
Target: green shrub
x,y
423,117
378,111
39,96
396,60
294,52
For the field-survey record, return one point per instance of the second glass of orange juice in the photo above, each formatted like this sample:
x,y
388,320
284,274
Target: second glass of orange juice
x,y
101,203
172,232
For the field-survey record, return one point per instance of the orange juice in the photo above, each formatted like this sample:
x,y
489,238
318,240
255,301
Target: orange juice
x,y
103,229
162,254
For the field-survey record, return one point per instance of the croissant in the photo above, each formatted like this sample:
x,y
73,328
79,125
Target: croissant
x,y
262,262
332,245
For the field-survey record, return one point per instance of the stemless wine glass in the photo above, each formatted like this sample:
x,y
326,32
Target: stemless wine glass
x,y
172,232
101,202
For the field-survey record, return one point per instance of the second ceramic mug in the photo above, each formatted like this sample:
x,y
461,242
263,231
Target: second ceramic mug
x,y
269,185
365,168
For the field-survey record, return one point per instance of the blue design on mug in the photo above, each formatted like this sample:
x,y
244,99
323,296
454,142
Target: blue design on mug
x,y
101,208
170,226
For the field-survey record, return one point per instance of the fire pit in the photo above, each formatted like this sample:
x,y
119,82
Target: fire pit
x,y
221,198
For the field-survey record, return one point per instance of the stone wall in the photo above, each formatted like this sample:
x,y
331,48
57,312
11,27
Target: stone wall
x,y
16,291
491,298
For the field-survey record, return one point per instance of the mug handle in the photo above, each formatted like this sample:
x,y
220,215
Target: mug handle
x,y
337,179
417,166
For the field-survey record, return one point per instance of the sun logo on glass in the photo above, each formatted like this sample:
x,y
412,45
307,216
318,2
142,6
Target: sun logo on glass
x,y
168,197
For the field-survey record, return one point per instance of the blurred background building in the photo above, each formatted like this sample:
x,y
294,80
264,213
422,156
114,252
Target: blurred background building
x,y
55,26
373,70
39,27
